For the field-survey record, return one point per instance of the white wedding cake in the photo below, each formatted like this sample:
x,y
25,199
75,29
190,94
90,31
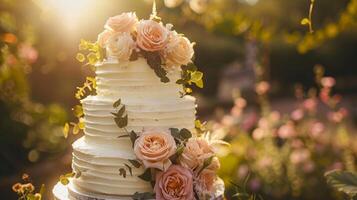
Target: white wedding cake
x,y
139,127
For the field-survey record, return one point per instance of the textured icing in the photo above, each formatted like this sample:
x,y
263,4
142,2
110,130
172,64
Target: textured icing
x,y
149,103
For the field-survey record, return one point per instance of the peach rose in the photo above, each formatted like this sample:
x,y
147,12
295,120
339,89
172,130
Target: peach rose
x,y
195,153
176,183
120,45
103,38
204,183
124,22
151,35
179,50
154,149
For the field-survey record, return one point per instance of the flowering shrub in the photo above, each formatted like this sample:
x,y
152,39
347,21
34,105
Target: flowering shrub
x,y
287,154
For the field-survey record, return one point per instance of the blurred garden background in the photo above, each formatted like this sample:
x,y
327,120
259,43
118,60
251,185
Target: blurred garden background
x,y
280,89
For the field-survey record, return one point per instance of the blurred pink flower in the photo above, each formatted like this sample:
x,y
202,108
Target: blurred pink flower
x,y
310,104
28,53
328,82
11,59
297,143
265,162
258,134
249,121
262,87
336,165
243,171
308,167
325,95
287,130
297,114
337,116
240,102
316,129
227,120
255,184
299,156
274,116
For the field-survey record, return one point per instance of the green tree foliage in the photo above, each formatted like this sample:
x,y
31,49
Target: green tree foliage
x,y
28,129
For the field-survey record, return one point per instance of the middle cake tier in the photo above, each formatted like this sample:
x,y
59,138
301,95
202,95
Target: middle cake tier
x,y
100,153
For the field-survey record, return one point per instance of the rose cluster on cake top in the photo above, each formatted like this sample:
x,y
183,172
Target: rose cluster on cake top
x,y
125,38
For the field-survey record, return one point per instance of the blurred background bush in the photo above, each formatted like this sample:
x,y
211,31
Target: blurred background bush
x,y
259,62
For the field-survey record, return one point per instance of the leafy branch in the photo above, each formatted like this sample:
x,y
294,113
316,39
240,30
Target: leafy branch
x,y
343,181
120,118
76,127
242,193
90,52
190,75
90,84
307,21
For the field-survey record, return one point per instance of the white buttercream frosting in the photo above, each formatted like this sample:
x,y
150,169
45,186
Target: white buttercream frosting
x,y
149,104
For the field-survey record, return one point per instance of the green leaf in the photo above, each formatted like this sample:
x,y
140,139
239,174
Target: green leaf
x,y
83,45
92,58
65,130
129,168
123,136
343,181
185,134
134,56
177,154
146,176
77,111
175,132
121,121
135,163
42,190
117,103
305,21
133,137
76,129
154,61
143,196
64,180
199,83
80,57
196,76
207,162
122,172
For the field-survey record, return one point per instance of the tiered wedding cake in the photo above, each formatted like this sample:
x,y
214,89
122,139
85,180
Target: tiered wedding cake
x,y
139,134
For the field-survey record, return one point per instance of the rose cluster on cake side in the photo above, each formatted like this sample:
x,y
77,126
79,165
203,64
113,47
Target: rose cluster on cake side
x,y
182,166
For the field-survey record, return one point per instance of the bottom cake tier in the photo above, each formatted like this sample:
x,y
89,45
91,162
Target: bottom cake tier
x,y
69,192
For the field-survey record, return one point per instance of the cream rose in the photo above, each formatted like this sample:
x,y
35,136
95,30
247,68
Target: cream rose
x,y
124,22
103,38
197,150
151,35
176,183
154,149
120,45
179,50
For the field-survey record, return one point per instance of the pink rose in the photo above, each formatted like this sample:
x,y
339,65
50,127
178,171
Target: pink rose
x,y
120,45
154,149
195,153
103,38
176,183
179,50
151,35
124,22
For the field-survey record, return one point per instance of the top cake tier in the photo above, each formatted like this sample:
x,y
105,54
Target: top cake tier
x,y
135,81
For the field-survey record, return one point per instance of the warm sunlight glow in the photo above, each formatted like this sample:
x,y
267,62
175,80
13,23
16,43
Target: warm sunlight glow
x,y
69,11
